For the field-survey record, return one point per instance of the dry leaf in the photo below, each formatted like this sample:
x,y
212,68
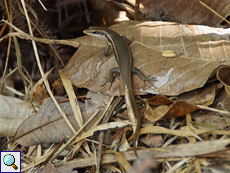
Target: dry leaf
x,y
180,108
201,49
182,11
121,159
9,82
124,145
58,86
185,132
95,101
72,98
202,96
212,122
159,100
12,112
48,126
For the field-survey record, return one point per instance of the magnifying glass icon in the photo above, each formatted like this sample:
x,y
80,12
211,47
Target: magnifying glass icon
x,y
9,160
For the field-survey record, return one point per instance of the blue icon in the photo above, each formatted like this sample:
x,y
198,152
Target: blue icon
x,y
9,160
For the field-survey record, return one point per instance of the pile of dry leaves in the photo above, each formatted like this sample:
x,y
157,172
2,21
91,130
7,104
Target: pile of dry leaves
x,y
57,111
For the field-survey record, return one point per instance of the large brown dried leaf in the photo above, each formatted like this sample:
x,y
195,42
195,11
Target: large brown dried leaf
x,y
201,49
12,112
202,96
48,126
190,12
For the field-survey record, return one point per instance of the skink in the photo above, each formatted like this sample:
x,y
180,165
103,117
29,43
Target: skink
x,y
124,59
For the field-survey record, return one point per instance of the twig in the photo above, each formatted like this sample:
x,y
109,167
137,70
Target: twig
x,y
214,12
137,3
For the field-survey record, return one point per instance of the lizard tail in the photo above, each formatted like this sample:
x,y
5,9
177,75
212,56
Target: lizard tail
x,y
134,115
135,139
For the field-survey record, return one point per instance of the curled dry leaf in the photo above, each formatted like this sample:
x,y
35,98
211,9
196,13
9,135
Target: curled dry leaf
x,y
8,83
48,126
124,146
180,108
159,99
12,112
121,159
202,49
202,96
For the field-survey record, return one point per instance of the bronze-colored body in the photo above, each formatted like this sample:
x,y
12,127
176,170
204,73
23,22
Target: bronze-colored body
x,y
124,59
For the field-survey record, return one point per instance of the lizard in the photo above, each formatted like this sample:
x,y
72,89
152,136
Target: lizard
x,y
124,59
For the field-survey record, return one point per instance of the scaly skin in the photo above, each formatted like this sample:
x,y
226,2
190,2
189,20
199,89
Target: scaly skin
x,y
124,59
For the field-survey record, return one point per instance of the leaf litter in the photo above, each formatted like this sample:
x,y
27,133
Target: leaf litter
x,y
188,91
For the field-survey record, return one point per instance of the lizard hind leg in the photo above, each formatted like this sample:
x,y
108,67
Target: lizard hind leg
x,y
111,76
126,40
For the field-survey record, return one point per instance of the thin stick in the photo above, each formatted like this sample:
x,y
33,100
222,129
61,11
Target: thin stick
x,y
3,29
214,12
137,3
41,70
